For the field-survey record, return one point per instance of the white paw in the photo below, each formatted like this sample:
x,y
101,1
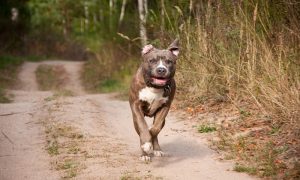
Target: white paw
x,y
147,147
158,153
145,158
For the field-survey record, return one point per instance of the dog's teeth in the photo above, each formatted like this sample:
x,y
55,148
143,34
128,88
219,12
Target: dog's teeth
x,y
158,153
147,147
145,158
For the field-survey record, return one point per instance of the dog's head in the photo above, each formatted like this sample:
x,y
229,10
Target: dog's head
x,y
159,65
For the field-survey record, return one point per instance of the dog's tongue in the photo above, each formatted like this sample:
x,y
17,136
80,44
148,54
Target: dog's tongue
x,y
159,81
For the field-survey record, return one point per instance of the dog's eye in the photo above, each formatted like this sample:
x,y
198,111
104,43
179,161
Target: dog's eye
x,y
152,61
169,61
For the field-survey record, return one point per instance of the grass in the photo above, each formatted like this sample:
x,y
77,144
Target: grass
x,y
231,54
70,167
60,93
130,176
256,155
9,66
241,168
63,142
50,77
4,98
109,85
110,71
206,129
53,148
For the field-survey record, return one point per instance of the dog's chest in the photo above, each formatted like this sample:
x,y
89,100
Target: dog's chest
x,y
154,97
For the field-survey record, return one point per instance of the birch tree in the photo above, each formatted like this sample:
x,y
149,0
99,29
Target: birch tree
x,y
122,12
143,9
111,7
86,15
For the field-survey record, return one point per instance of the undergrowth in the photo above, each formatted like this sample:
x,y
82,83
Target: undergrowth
x,y
110,71
50,77
9,66
245,54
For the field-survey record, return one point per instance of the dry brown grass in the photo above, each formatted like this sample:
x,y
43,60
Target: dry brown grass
x,y
64,144
51,77
247,61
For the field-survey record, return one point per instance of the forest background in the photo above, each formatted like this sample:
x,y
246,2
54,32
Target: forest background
x,y
243,54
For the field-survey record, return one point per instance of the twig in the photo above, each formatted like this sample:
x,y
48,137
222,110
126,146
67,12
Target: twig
x,y
12,113
91,111
7,137
6,155
7,114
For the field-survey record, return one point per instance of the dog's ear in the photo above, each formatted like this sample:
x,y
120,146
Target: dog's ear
x,y
174,47
147,49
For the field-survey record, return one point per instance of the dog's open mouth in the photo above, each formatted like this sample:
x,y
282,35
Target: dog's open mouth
x,y
159,81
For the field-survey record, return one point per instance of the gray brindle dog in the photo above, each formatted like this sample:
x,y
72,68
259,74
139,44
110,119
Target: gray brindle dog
x,y
151,94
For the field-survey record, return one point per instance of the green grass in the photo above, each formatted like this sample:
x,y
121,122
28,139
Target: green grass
x,y
4,97
109,85
241,168
100,77
129,177
8,70
206,129
52,148
70,167
9,61
60,93
9,66
68,164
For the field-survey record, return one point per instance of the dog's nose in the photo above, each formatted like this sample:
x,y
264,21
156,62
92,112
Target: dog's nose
x,y
161,71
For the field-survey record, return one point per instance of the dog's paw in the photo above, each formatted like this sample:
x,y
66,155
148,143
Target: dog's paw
x,y
145,158
158,153
147,147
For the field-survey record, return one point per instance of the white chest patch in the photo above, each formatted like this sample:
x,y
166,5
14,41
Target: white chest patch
x,y
152,95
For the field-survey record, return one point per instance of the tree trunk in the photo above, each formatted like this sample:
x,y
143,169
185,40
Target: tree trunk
x,y
142,5
86,14
122,12
111,6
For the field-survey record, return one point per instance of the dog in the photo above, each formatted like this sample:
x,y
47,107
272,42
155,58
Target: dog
x,y
151,93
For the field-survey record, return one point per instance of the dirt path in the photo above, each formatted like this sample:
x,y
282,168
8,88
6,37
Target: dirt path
x,y
95,138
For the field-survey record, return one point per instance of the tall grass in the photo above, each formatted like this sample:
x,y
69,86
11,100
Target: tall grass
x,y
110,69
247,51
238,56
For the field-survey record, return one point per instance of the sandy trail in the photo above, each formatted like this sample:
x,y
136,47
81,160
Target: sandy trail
x,y
109,137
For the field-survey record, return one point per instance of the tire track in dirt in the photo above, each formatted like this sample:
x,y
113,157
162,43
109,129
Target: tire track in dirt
x,y
109,147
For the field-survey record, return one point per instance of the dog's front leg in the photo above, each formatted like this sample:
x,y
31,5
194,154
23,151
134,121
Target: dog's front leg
x,y
158,124
141,128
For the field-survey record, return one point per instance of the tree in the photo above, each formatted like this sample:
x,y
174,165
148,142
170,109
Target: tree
x,y
143,10
122,12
